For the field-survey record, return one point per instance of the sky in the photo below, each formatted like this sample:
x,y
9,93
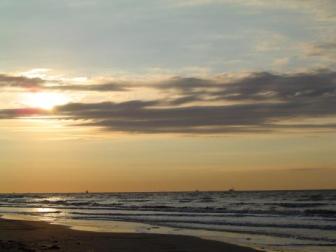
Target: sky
x,y
167,95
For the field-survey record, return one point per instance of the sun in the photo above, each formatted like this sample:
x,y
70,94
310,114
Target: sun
x,y
44,100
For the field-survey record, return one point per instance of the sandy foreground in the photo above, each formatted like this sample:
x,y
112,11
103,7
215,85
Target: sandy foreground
x,y
40,236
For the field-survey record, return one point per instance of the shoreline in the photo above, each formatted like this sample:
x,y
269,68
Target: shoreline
x,y
22,235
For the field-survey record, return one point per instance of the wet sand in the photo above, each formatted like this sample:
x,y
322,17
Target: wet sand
x,y
40,236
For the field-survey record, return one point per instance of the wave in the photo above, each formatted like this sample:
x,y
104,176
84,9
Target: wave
x,y
217,222
320,212
325,213
298,215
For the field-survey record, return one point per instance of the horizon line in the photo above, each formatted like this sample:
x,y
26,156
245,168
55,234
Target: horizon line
x,y
172,191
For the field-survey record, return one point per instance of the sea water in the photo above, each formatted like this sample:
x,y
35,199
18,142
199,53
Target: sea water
x,y
272,220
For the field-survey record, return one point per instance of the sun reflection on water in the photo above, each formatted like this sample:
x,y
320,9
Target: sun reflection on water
x,y
48,214
45,210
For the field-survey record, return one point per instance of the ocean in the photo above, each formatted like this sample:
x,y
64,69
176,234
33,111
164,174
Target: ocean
x,y
271,220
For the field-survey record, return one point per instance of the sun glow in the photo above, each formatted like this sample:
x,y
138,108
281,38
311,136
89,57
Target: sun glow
x,y
44,100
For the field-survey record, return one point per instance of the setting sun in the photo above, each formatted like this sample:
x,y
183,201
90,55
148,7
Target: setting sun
x,y
44,100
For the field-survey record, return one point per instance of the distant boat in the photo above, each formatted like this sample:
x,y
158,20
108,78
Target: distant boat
x,y
86,191
231,190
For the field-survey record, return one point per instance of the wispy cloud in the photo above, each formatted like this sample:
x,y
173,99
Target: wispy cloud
x,y
262,86
258,102
20,81
323,10
21,113
325,49
137,116
105,87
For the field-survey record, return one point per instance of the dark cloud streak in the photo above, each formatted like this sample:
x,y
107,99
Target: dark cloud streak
x,y
20,81
260,102
142,117
106,87
260,86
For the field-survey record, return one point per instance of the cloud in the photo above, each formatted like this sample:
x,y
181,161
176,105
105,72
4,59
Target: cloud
x,y
39,83
258,102
20,81
21,113
270,41
150,117
260,86
267,86
326,49
323,10
106,87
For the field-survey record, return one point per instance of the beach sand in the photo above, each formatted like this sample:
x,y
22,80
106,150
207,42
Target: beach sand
x,y
40,236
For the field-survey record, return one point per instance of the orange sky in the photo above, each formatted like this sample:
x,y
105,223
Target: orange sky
x,y
61,159
162,95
